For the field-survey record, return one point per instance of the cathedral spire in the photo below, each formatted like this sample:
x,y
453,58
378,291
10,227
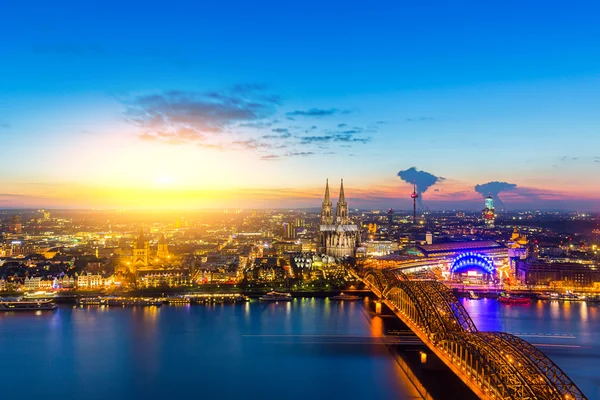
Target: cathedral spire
x,y
342,199
341,210
326,208
327,197
141,241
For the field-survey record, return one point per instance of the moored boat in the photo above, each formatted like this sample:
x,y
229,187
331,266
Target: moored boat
x,y
119,301
344,297
507,298
276,296
25,305
473,296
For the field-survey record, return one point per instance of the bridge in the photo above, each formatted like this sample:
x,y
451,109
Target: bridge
x,y
494,365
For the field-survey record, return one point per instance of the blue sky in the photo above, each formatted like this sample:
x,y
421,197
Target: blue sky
x,y
256,97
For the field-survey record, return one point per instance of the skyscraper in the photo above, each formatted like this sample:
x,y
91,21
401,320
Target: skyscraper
x,y
338,237
488,213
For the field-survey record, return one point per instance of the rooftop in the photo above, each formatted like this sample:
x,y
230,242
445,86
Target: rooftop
x,y
459,246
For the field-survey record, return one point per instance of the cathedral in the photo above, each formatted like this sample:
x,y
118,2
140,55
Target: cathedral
x,y
338,236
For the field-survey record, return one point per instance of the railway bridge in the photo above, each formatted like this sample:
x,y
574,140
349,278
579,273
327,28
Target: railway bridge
x,y
494,365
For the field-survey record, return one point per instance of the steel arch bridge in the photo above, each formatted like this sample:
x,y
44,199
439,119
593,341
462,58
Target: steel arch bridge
x,y
495,365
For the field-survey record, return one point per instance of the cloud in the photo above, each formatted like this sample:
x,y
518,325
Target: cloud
x,y
342,125
178,116
300,153
493,189
5,125
423,181
316,112
269,157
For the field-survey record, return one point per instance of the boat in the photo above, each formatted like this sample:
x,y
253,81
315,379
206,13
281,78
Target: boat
x,y
276,296
26,305
507,298
473,296
119,301
344,297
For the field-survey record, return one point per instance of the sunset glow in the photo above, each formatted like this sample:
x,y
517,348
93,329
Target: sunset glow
x,y
206,118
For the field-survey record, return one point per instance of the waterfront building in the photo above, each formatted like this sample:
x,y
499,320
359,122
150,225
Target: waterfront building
x,y
89,281
3,285
32,283
162,278
338,236
557,274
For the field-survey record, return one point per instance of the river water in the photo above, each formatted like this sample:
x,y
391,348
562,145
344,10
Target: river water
x,y
304,349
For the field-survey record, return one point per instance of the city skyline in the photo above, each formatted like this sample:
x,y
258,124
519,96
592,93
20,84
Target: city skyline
x,y
230,106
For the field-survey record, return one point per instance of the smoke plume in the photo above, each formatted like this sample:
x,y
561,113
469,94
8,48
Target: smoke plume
x,y
423,180
494,189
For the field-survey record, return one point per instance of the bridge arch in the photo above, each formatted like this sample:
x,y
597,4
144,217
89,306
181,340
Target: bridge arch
x,y
496,365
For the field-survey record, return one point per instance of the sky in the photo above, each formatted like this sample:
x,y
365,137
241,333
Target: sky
x,y
193,104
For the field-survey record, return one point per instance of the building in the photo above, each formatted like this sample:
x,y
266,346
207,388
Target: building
x,y
163,248
268,269
559,274
89,281
338,236
163,278
32,284
290,230
476,260
488,213
141,252
3,285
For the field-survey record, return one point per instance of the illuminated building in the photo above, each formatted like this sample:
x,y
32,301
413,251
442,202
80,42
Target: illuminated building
x,y
89,281
476,260
558,274
32,283
289,230
141,252
488,212
338,237
163,248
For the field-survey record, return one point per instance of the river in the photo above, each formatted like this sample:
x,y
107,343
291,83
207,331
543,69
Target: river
x,y
307,348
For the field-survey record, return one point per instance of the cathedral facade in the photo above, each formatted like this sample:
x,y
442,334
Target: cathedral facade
x,y
338,236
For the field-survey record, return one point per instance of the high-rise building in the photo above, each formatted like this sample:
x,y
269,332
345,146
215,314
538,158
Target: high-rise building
x,y
289,230
338,237
488,213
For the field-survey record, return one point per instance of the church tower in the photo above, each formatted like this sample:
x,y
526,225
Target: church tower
x,y
163,247
341,210
327,207
338,237
141,252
